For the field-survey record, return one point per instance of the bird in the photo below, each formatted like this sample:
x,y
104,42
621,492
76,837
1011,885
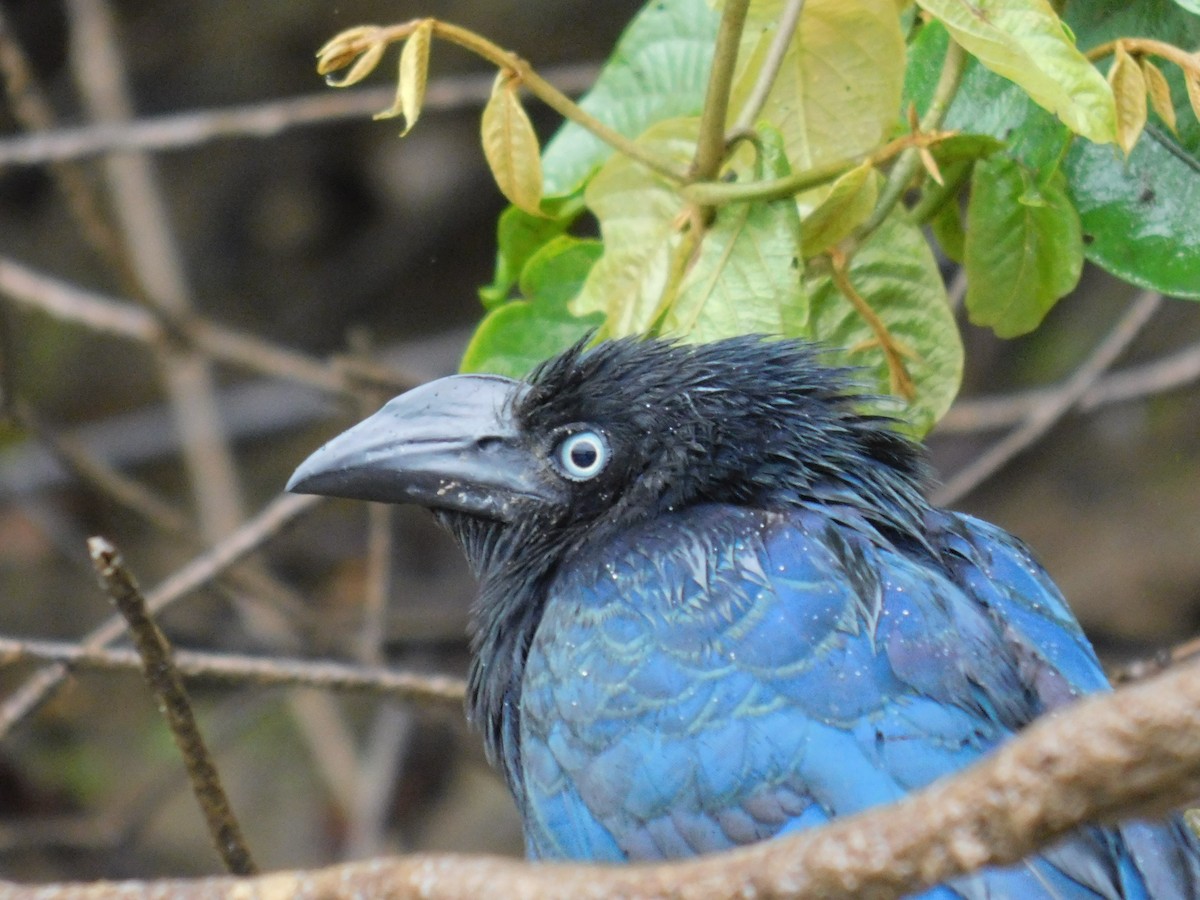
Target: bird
x,y
715,606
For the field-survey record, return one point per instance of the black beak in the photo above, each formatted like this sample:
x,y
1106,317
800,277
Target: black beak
x,y
451,444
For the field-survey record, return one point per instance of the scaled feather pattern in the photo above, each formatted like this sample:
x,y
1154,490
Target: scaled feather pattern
x,y
715,607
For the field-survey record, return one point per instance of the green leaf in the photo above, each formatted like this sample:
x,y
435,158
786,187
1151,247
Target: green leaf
x,y
658,70
1138,214
518,236
746,277
896,273
850,200
1191,6
511,145
837,93
1024,41
1139,219
947,227
641,221
1024,248
515,337
985,103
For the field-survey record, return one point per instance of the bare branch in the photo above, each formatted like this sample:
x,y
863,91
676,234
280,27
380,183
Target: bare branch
x,y
31,695
1043,417
1140,758
171,696
988,413
107,315
181,131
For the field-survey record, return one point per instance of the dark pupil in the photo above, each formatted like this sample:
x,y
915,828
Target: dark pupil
x,y
583,455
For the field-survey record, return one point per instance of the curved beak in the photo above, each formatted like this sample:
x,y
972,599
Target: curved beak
x,y
451,444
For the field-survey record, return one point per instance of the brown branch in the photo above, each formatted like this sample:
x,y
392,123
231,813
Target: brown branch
x,y
1130,754
156,261
172,699
182,131
39,687
1043,417
33,111
258,671
63,300
1180,369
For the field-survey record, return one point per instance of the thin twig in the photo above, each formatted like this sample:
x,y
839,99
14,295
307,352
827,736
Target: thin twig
x,y
33,111
785,33
258,671
1178,370
157,511
906,166
1043,417
246,539
171,696
140,209
1140,758
185,130
108,315
546,92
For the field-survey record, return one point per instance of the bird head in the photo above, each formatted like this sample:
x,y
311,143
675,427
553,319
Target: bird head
x,y
605,437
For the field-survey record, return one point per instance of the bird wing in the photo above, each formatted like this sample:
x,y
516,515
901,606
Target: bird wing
x,y
728,674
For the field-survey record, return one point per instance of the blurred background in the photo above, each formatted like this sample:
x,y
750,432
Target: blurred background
x,y
251,203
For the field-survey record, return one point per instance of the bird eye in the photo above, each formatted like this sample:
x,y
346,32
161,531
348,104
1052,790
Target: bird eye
x,y
582,455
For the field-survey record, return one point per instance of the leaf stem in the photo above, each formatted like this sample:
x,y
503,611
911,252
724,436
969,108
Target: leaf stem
x,y
710,146
900,381
713,193
1166,51
789,20
540,88
909,162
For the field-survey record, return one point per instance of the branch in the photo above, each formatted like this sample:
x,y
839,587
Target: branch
x,y
181,131
1042,418
1128,754
953,65
993,412
107,315
365,40
259,671
38,688
710,144
172,699
785,31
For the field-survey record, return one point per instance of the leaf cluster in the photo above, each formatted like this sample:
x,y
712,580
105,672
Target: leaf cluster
x,y
794,168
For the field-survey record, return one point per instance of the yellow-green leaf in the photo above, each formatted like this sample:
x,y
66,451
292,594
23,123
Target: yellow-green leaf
x,y
1160,92
363,66
511,146
896,274
1129,89
1192,79
745,277
850,200
838,90
1025,42
413,77
641,223
344,46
